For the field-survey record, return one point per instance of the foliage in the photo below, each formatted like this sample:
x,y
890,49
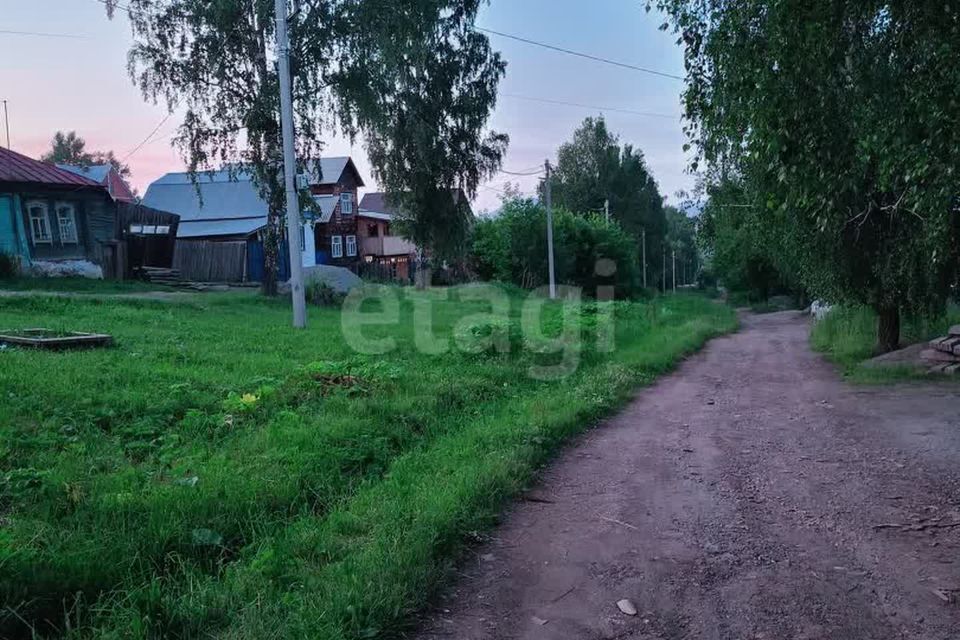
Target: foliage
x,y
842,117
220,474
414,77
742,249
9,266
512,247
847,334
319,292
69,148
683,253
593,168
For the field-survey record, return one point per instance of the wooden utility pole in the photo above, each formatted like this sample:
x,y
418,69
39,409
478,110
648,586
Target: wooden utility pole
x,y
674,270
548,197
294,226
663,281
644,258
6,122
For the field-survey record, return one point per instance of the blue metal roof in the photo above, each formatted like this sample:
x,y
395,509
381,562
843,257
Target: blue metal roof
x,y
96,172
224,204
207,228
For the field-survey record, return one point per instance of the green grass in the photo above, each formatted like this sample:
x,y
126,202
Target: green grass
x,y
218,473
79,285
848,336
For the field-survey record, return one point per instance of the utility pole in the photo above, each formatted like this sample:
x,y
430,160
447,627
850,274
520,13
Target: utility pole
x,y
6,121
674,270
606,209
549,202
644,258
294,226
663,281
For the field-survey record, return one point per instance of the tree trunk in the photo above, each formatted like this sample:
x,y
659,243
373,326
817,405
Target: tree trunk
x,y
271,251
888,329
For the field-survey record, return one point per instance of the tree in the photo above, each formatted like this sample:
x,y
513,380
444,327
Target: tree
x,y
844,115
69,148
741,247
412,77
681,242
593,168
512,247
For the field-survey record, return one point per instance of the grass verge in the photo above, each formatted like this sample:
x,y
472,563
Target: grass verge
x,y
848,336
218,473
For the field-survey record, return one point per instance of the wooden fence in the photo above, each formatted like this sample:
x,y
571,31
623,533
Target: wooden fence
x,y
206,261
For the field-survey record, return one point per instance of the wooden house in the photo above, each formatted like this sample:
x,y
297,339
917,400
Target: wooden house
x,y
56,222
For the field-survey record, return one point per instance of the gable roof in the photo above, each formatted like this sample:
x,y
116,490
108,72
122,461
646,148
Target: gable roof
x,y
376,202
105,174
16,167
332,170
225,206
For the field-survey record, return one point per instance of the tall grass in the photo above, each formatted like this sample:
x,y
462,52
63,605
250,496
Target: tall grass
x,y
220,473
848,334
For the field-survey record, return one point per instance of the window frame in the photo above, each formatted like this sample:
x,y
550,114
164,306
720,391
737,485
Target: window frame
x,y
45,218
336,246
346,203
69,206
353,240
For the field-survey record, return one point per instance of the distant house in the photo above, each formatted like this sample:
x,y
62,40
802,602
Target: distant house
x,y
107,176
57,222
379,244
227,209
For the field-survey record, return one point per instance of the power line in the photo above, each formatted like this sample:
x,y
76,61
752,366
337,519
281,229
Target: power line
x,y
44,34
647,114
588,56
147,139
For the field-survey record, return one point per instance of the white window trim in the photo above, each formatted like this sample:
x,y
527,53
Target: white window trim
x,y
46,222
336,246
351,246
75,238
346,203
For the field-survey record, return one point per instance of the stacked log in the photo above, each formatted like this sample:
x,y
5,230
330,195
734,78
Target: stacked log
x,y
944,353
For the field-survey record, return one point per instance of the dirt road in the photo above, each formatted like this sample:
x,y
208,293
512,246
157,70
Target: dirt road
x,y
751,495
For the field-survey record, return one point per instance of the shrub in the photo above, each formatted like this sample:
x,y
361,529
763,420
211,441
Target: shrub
x,y
9,267
512,247
320,293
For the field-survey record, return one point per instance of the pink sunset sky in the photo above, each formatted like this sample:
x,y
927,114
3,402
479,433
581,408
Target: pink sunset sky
x,y
52,82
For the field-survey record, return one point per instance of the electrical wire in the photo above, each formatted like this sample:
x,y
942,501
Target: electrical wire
x,y
579,54
44,34
147,139
563,103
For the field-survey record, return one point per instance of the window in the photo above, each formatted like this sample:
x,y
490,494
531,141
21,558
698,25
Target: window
x,y
303,240
373,230
336,246
39,223
346,204
351,245
66,223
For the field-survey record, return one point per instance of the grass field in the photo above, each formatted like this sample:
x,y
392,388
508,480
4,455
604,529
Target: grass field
x,y
220,474
79,285
848,335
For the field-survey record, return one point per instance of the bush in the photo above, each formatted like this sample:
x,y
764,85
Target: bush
x,y
9,267
512,247
320,293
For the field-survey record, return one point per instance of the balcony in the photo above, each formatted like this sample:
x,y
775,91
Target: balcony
x,y
386,246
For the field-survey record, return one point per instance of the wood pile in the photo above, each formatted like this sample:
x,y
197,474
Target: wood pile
x,y
944,353
161,275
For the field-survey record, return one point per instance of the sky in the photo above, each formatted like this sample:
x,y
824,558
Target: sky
x,y
81,83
